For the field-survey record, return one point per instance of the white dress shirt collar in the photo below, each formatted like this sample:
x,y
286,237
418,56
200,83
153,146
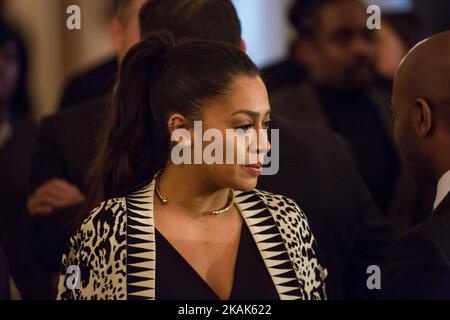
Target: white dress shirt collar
x,y
443,188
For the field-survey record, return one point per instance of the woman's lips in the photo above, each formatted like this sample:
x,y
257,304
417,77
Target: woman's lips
x,y
255,169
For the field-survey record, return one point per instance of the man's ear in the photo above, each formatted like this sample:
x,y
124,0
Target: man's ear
x,y
422,117
115,30
243,45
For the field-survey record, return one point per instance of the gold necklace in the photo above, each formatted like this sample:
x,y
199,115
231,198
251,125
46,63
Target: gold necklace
x,y
165,201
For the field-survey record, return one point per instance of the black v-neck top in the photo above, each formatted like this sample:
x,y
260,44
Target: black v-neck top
x,y
176,279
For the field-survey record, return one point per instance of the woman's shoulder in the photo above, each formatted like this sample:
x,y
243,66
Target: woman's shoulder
x,y
277,201
281,207
108,215
97,251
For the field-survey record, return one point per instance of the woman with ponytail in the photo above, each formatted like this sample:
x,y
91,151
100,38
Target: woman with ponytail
x,y
158,228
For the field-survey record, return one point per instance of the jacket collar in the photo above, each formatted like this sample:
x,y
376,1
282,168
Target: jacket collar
x,y
443,206
141,251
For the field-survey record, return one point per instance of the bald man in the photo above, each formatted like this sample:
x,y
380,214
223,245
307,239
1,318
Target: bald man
x,y
418,265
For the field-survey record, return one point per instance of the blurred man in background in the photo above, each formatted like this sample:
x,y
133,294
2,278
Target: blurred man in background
x,y
341,93
4,277
353,233
16,142
418,265
398,34
99,81
65,146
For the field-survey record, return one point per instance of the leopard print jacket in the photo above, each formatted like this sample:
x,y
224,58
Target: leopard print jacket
x,y
112,256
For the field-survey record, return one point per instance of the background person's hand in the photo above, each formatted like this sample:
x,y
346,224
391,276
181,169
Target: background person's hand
x,y
54,194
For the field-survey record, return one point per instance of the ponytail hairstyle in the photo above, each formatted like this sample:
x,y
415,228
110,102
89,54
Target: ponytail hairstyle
x,y
158,77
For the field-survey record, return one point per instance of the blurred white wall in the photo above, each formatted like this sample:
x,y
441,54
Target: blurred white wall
x,y
55,52
392,5
266,30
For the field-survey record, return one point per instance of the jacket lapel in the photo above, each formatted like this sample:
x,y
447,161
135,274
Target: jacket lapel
x,y
443,206
270,244
141,252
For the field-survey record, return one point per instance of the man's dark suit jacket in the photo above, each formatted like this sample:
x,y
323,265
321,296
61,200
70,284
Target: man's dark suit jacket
x,y
30,277
4,277
282,74
90,85
318,171
418,265
65,146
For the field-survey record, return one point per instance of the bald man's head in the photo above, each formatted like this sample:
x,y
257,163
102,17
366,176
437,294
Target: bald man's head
x,y
425,71
421,107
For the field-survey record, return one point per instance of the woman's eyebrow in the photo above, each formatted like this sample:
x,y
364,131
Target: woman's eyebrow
x,y
252,114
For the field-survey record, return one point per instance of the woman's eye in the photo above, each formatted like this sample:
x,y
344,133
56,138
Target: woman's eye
x,y
245,127
266,124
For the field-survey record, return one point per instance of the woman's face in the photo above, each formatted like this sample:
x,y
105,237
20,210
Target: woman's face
x,y
241,118
9,71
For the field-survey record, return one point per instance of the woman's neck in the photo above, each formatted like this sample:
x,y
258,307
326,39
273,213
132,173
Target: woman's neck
x,y
189,192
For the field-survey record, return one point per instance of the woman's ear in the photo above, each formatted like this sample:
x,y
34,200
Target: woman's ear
x,y
423,117
177,122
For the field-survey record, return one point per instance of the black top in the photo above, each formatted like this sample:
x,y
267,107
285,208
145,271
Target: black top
x,y
177,280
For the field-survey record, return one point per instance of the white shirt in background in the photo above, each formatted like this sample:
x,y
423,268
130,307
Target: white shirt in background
x,y
443,188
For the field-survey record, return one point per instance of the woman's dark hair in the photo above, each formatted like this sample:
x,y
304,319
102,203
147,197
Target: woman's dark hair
x,y
20,102
158,77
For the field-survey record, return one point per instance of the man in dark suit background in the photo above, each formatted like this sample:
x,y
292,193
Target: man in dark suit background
x,y
353,233
65,145
341,93
89,85
99,80
4,277
418,265
318,170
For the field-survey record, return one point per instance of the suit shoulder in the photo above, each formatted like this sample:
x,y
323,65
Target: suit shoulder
x,y
425,243
295,89
434,229
305,132
84,111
